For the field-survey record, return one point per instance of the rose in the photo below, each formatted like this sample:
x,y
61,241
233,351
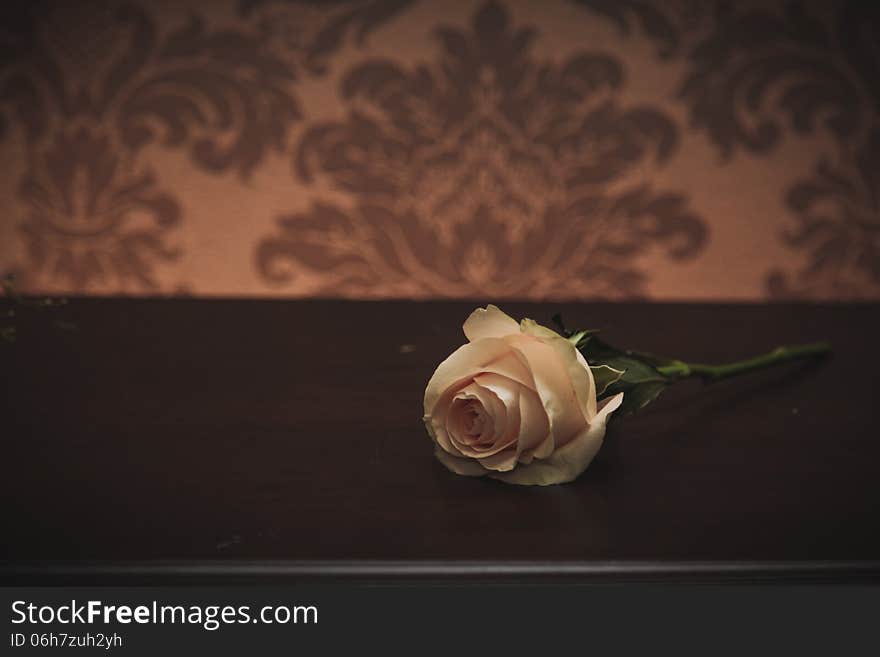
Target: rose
x,y
517,403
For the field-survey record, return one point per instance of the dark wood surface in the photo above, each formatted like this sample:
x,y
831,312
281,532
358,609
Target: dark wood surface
x,y
288,432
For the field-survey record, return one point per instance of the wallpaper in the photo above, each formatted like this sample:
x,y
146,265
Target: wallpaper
x,y
563,149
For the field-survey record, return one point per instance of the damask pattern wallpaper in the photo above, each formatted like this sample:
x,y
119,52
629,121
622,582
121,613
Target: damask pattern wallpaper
x,y
562,149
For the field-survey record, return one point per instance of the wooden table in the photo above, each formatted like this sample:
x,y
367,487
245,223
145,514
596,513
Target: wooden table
x,y
260,439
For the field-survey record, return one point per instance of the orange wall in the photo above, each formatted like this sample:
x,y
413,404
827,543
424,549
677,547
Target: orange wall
x,y
403,148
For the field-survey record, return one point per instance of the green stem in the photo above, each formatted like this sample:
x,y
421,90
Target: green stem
x,y
681,370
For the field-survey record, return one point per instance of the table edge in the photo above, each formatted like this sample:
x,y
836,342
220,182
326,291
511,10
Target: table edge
x,y
454,571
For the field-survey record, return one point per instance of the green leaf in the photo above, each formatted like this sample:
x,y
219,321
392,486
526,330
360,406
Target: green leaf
x,y
636,397
633,373
604,376
603,352
575,337
639,381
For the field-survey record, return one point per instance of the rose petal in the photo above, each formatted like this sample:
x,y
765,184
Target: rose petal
x,y
568,462
456,430
463,444
534,425
512,366
554,386
534,437
493,407
436,422
489,322
466,361
506,393
575,365
531,327
458,465
502,461
440,436
456,423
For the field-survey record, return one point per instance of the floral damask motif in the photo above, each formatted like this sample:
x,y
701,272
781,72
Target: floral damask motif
x,y
838,215
804,67
93,218
647,15
487,173
672,25
20,96
219,92
102,76
314,29
762,67
372,251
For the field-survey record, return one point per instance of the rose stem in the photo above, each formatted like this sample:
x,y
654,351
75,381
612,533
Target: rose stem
x,y
681,370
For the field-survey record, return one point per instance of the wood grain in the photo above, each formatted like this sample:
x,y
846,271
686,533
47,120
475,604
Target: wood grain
x,y
232,432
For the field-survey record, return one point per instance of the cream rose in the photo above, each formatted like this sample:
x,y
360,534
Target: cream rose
x,y
516,403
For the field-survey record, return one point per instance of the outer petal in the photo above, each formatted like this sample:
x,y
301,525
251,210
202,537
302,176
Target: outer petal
x,y
436,421
468,360
555,386
567,462
504,388
535,437
489,322
513,366
503,461
531,327
575,364
458,465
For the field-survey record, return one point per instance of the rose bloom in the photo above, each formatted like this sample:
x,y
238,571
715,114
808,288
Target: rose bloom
x,y
517,403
